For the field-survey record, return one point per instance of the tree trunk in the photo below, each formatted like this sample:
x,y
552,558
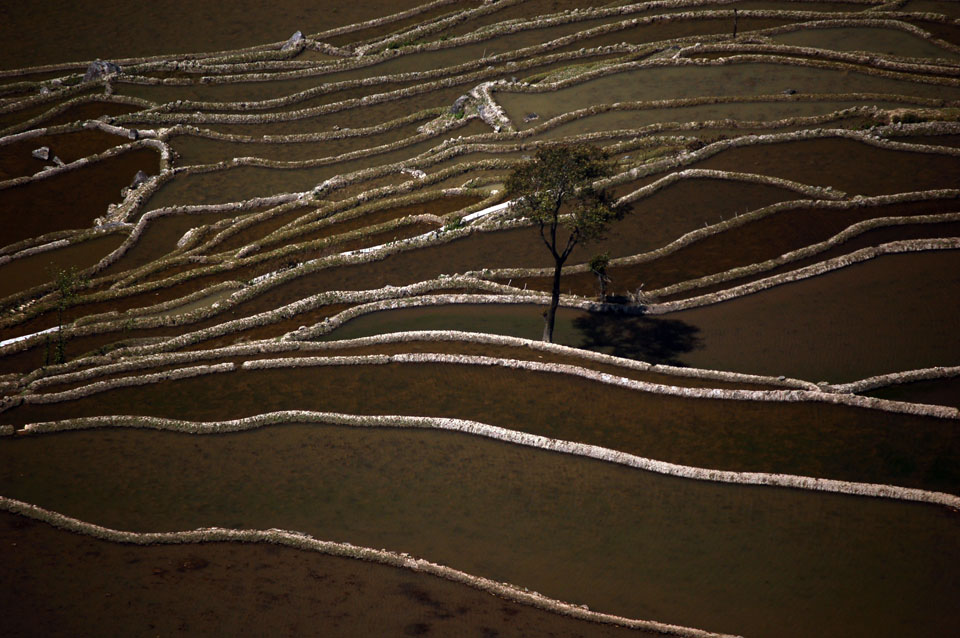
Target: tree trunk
x,y
61,355
550,315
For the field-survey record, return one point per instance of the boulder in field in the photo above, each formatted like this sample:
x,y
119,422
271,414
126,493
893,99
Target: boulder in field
x,y
138,179
459,105
293,42
98,69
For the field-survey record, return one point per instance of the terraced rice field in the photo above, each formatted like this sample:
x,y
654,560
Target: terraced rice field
x,y
269,326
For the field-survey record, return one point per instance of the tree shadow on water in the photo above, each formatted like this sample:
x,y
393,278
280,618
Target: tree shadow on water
x,y
639,337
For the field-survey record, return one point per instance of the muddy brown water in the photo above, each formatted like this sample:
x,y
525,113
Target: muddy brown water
x,y
511,248
399,233
894,300
24,113
511,70
219,92
808,439
873,39
680,208
663,30
574,328
540,7
944,7
848,165
114,30
705,594
71,199
948,32
339,243
828,6
26,272
160,237
199,150
522,320
439,206
935,392
490,178
253,231
245,93
496,45
226,90
741,111
127,590
246,182
521,11
509,158
16,161
88,111
869,238
346,93
271,330
750,243
931,140
496,249
399,26
125,300
421,264
43,353
727,558
744,79
524,353
893,313
356,117
444,347
77,112
369,278
40,76
172,269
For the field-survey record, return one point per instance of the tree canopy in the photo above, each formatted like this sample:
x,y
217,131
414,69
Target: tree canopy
x,y
556,189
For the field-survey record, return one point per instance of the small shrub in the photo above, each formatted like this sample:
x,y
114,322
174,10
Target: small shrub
x,y
454,224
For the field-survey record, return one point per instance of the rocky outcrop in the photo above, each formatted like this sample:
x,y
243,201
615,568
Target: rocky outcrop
x,y
100,69
296,41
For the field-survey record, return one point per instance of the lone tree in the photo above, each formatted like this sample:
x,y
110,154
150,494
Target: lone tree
x,y
555,189
598,265
66,283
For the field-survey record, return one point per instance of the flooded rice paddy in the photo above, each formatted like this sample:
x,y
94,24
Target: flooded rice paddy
x,y
385,488
230,225
136,586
